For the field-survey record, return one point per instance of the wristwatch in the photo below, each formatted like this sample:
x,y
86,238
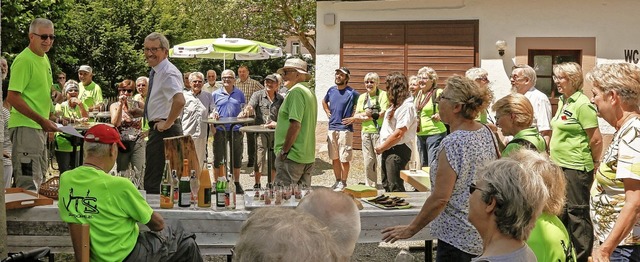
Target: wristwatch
x,y
283,154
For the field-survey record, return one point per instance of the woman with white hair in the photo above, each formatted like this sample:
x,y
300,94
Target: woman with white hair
x,y
481,78
616,205
70,110
504,204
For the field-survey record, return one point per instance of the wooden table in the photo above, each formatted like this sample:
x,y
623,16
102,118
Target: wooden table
x,y
216,231
419,180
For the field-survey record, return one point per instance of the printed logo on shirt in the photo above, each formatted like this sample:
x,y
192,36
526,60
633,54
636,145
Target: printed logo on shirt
x,y
81,206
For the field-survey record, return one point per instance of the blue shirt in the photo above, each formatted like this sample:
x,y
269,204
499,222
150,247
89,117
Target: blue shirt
x,y
341,105
228,105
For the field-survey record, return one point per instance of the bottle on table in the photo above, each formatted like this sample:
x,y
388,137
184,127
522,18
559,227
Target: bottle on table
x,y
184,187
230,194
166,188
221,186
175,181
204,192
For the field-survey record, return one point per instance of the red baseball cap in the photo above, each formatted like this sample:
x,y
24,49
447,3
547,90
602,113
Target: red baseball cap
x,y
103,134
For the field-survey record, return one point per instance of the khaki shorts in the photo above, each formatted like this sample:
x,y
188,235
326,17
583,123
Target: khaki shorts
x,y
29,156
340,145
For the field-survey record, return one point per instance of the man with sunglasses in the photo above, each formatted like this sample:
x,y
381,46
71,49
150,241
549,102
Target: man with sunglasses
x,y
90,92
29,95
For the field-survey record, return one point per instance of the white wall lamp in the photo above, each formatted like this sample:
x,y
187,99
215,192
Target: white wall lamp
x,y
501,45
329,19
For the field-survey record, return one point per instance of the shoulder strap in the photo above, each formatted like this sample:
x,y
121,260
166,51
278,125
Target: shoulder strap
x,y
495,142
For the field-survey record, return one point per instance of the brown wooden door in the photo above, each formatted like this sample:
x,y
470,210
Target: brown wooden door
x,y
450,47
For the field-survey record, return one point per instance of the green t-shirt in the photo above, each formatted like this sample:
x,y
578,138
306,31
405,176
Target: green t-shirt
x,y
569,145
300,105
63,110
550,241
112,206
427,125
364,101
482,117
90,95
31,77
530,134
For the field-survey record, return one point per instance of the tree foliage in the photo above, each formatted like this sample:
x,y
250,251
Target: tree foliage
x,y
108,34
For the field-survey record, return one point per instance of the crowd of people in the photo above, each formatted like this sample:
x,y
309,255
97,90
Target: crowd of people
x,y
514,185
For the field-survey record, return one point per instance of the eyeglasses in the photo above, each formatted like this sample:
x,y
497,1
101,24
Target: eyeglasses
x,y
72,91
62,77
44,37
227,77
153,50
141,85
473,188
484,78
558,78
125,90
196,81
517,78
369,82
443,97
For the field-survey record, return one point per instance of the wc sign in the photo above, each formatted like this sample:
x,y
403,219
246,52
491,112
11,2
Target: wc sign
x,y
631,56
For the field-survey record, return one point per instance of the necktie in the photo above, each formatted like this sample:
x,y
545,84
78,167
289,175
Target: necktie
x,y
146,102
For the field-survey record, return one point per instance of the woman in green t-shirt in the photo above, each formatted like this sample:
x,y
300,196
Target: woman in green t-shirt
x,y
575,146
514,115
431,130
70,110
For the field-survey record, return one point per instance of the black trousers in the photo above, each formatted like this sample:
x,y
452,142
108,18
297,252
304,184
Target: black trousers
x,y
394,159
251,148
576,213
154,156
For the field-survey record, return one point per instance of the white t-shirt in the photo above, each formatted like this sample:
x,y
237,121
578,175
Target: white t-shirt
x,y
404,116
541,109
167,82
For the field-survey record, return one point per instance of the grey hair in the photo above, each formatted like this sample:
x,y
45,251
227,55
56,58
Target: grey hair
x,y
38,23
280,234
372,76
429,72
475,73
339,213
228,71
69,84
519,196
164,43
540,165
623,78
279,77
96,149
193,76
143,78
528,72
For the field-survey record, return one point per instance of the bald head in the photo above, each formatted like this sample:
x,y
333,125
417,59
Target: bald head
x,y
338,212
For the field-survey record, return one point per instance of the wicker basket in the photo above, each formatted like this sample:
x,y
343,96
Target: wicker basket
x,y
50,188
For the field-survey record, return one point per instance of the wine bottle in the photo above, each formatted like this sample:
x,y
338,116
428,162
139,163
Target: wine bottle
x,y
166,189
220,194
230,194
204,192
184,188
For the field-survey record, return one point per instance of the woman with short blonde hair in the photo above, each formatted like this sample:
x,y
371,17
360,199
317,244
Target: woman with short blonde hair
x,y
514,115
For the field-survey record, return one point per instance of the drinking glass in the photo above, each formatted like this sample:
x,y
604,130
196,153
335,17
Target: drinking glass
x,y
412,167
37,181
195,185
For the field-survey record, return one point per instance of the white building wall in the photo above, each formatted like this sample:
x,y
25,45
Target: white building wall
x,y
612,23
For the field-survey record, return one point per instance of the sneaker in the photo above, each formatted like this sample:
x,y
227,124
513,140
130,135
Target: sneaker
x,y
257,186
239,190
253,173
340,186
335,184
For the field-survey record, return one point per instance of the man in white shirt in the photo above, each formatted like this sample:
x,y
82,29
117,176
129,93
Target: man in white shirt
x,y
523,80
164,105
211,84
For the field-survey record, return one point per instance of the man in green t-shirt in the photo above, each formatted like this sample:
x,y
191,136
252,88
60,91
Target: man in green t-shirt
x,y
90,92
295,140
112,207
29,95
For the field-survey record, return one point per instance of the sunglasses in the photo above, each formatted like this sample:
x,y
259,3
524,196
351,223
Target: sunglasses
x,y
125,90
44,37
141,85
369,82
473,188
72,91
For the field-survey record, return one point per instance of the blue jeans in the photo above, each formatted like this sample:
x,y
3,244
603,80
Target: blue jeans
x,y
626,254
428,147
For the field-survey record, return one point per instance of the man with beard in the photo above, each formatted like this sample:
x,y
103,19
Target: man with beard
x,y
29,95
523,81
339,104
212,84
163,106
